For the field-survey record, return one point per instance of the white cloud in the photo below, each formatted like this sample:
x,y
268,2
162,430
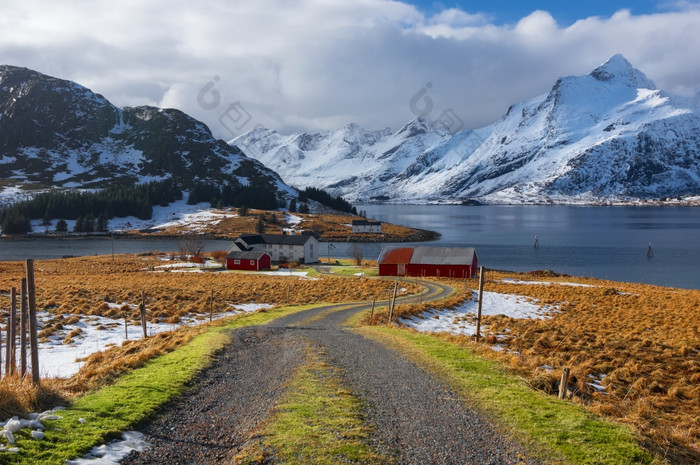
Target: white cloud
x,y
315,64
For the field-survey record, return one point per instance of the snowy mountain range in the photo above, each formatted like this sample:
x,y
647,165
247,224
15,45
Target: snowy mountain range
x,y
56,133
610,135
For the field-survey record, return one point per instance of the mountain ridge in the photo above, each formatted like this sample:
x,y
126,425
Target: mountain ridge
x,y
56,133
608,136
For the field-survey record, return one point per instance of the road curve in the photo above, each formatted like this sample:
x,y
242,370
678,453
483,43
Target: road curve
x,y
416,419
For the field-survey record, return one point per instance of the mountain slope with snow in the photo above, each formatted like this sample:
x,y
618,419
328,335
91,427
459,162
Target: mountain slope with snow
x,y
608,135
56,133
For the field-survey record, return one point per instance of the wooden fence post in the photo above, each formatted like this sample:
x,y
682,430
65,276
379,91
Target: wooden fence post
x,y
7,347
126,325
393,302
23,330
371,312
33,342
143,313
12,339
564,384
481,295
0,354
211,306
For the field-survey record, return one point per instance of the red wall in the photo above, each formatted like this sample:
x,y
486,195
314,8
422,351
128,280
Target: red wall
x,y
446,271
388,270
262,264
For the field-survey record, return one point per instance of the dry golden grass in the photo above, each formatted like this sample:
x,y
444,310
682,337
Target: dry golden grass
x,y
73,288
88,285
645,338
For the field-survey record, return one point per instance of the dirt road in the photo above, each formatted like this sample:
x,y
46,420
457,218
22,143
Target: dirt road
x,y
416,419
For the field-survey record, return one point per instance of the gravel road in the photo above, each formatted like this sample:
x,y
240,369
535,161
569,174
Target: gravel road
x,y
416,418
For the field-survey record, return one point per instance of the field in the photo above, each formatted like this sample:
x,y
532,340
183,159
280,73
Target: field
x,y
79,291
634,350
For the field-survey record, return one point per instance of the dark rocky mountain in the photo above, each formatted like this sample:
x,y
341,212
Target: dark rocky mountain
x,y
56,133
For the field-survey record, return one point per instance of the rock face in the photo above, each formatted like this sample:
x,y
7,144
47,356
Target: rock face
x,y
608,135
56,133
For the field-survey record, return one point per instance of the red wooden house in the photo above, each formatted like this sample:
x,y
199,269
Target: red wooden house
x,y
446,262
250,261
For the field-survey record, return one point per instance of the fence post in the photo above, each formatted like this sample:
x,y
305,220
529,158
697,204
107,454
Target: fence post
x,y
211,306
143,313
371,312
12,331
393,302
481,295
23,329
33,342
7,346
564,384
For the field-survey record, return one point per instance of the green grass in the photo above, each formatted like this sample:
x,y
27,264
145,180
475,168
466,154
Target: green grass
x,y
317,422
134,397
554,430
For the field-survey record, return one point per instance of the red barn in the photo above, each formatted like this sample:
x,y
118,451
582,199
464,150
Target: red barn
x,y
446,262
250,261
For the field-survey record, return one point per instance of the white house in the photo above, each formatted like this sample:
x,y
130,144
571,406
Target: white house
x,y
366,226
280,247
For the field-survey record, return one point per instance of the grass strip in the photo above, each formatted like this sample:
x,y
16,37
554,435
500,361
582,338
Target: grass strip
x,y
96,418
317,422
554,430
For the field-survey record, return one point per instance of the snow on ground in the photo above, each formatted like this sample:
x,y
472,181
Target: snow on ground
x,y
462,320
546,283
292,219
33,423
116,450
284,273
57,359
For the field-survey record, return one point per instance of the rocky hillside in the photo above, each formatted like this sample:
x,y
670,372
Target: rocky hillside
x,y
610,135
56,133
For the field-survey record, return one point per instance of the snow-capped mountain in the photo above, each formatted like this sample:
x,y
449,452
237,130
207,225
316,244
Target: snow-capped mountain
x,y
608,135
56,133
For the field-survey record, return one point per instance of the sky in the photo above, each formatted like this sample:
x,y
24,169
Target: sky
x,y
320,64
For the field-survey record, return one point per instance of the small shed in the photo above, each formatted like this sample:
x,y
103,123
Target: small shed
x,y
366,226
446,262
247,260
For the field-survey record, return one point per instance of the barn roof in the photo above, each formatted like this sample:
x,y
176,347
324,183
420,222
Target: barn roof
x,y
395,256
286,239
249,255
443,256
365,223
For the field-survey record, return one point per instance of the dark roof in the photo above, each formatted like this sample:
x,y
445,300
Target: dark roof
x,y
443,256
365,222
275,239
251,255
395,256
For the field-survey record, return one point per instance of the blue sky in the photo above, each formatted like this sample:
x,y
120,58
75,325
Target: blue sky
x,y
565,12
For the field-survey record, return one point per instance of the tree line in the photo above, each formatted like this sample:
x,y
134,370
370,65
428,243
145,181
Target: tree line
x,y
261,196
323,197
92,208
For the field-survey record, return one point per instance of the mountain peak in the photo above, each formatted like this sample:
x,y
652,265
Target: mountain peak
x,y
618,69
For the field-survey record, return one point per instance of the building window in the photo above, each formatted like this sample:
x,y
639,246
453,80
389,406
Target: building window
x,y
252,262
236,262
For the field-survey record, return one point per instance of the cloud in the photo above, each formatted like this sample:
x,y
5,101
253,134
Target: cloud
x,y
315,65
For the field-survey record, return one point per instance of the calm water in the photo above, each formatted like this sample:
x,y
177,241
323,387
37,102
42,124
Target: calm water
x,y
605,242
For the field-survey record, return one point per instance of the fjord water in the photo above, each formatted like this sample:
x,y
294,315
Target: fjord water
x,y
604,242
